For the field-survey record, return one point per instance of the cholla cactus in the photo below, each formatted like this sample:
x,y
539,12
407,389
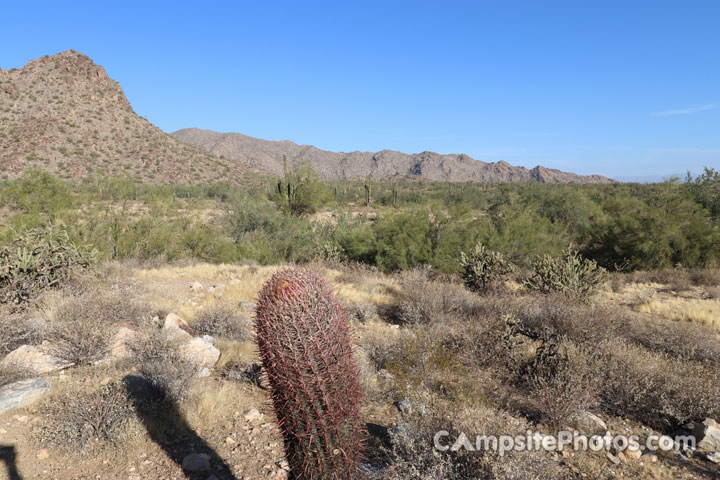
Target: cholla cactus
x,y
570,274
39,259
482,267
304,341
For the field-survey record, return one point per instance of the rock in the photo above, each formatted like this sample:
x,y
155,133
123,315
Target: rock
x,y
591,422
283,464
632,454
201,353
650,457
22,393
120,343
34,358
42,454
714,457
613,458
404,406
707,435
177,328
235,282
196,462
248,305
196,286
252,415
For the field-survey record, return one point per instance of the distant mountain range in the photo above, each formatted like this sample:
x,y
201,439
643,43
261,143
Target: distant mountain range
x,y
267,156
62,113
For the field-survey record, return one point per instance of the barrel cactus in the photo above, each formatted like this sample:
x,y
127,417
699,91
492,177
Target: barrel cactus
x,y
304,341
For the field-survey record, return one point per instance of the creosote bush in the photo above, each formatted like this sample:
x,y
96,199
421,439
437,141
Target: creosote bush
x,y
303,337
222,321
570,274
81,422
483,268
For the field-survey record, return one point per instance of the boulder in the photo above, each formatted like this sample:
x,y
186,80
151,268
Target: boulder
x,y
589,422
120,343
201,352
22,393
34,358
177,328
707,435
196,286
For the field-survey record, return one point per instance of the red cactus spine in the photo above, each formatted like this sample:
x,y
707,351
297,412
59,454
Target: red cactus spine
x,y
304,341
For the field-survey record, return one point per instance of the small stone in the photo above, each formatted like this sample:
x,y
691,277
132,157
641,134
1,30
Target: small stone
x,y
42,454
632,454
196,462
252,415
177,328
613,458
196,286
404,406
230,441
248,305
283,464
650,457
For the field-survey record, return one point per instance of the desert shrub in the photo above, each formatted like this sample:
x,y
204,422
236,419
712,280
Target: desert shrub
x,y
162,364
37,260
78,340
380,347
658,390
80,328
570,274
17,331
403,240
222,321
683,341
411,454
80,422
38,191
301,192
570,387
423,301
482,268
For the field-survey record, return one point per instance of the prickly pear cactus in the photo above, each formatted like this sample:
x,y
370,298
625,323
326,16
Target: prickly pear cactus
x,y
304,341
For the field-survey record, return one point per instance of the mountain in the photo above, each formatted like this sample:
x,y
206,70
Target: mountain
x,y
267,155
63,113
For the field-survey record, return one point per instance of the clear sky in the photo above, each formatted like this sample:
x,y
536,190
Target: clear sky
x,y
619,88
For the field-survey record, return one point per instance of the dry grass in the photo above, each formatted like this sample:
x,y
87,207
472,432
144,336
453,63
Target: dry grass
x,y
702,311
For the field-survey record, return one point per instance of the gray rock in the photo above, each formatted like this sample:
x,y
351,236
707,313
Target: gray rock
x,y
248,305
707,435
22,393
404,406
713,457
196,462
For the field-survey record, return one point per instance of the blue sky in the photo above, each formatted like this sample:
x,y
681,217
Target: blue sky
x,y
620,88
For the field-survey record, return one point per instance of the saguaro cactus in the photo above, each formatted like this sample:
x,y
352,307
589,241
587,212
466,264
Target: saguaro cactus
x,y
304,341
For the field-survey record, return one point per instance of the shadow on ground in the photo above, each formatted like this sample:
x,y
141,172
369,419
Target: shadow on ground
x,y
168,428
8,457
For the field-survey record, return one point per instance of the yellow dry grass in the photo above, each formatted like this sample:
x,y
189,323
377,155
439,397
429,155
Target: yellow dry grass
x,y
704,311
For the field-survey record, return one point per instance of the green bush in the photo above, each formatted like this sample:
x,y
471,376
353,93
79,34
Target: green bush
x,y
38,191
482,268
570,274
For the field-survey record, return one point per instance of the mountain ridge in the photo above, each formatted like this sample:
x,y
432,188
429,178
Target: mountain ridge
x,y
267,155
64,114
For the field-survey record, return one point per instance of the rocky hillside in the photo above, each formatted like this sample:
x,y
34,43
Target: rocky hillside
x,y
63,113
267,156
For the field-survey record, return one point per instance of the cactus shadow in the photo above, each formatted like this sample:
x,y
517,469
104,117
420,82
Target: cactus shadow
x,y
8,456
169,429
